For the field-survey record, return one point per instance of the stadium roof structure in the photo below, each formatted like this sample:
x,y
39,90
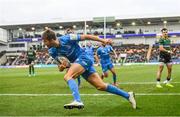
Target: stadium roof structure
x,y
2,43
123,22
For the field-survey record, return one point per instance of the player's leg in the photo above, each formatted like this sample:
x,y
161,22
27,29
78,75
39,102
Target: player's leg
x,y
159,72
74,71
97,82
79,81
29,69
105,71
111,68
29,63
32,64
122,61
33,70
169,68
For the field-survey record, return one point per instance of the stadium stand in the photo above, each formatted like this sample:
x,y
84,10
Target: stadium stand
x,y
138,42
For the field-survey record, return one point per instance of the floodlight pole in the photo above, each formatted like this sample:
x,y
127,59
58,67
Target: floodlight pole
x,y
165,25
85,31
104,27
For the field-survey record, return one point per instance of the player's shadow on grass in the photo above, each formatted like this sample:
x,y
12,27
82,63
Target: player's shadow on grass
x,y
77,112
121,110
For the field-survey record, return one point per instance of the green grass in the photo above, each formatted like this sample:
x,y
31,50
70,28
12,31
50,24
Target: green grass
x,y
50,81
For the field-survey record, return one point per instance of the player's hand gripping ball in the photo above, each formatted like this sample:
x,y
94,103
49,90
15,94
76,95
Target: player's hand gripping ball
x,y
63,63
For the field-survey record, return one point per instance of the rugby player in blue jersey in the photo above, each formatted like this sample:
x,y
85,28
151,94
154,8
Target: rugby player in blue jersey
x,y
89,49
103,53
68,47
70,31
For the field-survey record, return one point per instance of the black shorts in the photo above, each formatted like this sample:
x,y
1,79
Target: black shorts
x,y
30,61
165,57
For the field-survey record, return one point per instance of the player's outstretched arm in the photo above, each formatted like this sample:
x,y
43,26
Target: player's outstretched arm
x,y
96,38
114,52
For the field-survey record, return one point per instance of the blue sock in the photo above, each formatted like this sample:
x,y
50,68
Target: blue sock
x,y
79,81
114,78
114,90
74,88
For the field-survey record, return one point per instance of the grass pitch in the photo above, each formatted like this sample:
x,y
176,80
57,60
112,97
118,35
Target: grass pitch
x,y
43,95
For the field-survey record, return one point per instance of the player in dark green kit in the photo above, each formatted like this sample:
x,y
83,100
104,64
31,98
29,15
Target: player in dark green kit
x,y
31,55
164,58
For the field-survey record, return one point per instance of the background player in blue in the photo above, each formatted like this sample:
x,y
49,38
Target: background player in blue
x,y
68,46
89,49
103,52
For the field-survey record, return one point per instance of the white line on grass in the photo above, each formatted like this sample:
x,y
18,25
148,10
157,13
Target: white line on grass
x,y
140,94
144,83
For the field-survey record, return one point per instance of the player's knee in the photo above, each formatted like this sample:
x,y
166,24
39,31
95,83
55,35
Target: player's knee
x,y
67,77
169,69
101,87
161,68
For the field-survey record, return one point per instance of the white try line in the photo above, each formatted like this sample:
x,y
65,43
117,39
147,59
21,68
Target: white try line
x,y
138,94
144,83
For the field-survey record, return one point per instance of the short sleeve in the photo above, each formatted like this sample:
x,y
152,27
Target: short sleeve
x,y
110,47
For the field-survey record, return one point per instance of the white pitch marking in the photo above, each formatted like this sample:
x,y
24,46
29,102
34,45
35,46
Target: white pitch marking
x,y
140,94
145,83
